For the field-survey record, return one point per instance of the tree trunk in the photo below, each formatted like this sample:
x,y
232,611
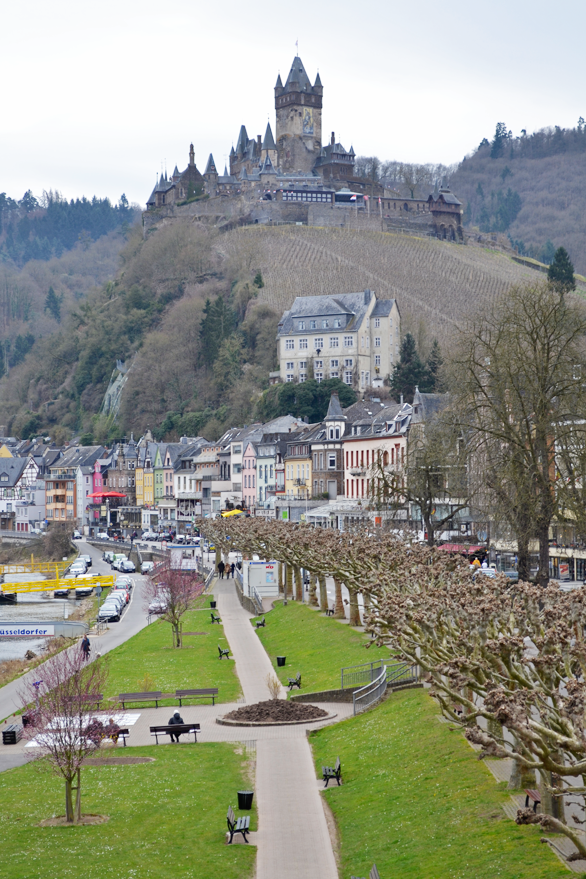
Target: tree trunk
x,y
176,638
313,590
218,557
354,609
339,602
298,584
521,777
524,563
69,817
543,572
289,582
78,798
323,594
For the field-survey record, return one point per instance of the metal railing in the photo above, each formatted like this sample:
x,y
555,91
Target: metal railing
x,y
402,673
359,675
256,598
371,693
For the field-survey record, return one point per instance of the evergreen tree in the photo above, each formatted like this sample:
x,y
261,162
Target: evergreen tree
x,y
561,272
434,364
501,136
53,305
217,324
410,372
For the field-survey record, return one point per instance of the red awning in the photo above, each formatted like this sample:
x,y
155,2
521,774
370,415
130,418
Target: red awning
x,y
461,547
106,494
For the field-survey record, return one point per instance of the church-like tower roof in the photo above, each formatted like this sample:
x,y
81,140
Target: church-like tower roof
x,y
211,166
242,140
298,79
269,141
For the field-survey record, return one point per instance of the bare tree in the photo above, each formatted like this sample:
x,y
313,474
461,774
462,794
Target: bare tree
x,y
177,592
58,720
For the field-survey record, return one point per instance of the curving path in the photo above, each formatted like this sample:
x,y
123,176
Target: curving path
x,y
293,838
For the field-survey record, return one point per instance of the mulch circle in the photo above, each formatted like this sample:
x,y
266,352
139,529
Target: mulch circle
x,y
116,761
61,821
276,711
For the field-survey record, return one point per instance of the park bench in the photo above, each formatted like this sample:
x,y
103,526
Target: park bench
x,y
225,653
237,825
121,733
210,691
329,773
12,734
176,729
91,700
329,611
534,796
261,624
215,619
372,875
295,682
154,696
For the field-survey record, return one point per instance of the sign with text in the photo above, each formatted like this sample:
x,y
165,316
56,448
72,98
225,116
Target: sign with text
x,y
22,630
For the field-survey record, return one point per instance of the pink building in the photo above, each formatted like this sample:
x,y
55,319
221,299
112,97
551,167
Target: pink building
x,y
382,442
249,476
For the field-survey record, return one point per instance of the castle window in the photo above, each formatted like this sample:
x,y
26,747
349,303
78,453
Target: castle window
x,y
377,359
319,377
290,366
319,364
334,364
334,374
349,362
377,341
302,344
289,344
325,324
337,323
348,378
334,341
318,342
312,325
377,322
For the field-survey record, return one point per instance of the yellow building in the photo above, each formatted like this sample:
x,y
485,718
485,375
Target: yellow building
x,y
5,451
139,484
298,468
148,487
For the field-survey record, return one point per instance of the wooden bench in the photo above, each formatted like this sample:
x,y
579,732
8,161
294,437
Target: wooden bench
x,y
295,682
122,733
176,729
225,653
211,691
329,611
261,624
95,700
534,796
154,696
372,875
12,734
215,619
237,825
328,773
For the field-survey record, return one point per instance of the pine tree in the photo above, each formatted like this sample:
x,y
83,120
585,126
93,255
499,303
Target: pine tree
x,y
53,305
217,324
434,364
410,372
561,272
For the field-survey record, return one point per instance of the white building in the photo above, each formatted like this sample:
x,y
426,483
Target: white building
x,y
352,336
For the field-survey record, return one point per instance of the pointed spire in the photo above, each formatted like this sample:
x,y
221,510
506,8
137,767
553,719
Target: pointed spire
x,y
242,141
225,170
211,166
269,141
334,409
191,155
279,84
317,83
298,76
232,152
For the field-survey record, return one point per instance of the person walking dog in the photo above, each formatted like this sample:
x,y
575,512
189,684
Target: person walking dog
x,y
85,647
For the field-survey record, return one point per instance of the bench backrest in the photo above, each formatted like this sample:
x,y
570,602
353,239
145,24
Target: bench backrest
x,y
338,765
374,873
223,650
175,727
138,696
231,817
210,691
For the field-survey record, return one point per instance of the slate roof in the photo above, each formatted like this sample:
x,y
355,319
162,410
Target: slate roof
x,y
12,468
211,166
383,308
334,409
242,140
426,406
447,195
351,307
269,141
298,77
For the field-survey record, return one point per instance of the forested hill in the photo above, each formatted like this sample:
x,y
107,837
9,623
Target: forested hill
x,y
531,187
44,228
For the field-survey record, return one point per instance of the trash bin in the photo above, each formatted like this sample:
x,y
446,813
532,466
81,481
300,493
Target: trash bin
x,y
281,661
212,604
245,799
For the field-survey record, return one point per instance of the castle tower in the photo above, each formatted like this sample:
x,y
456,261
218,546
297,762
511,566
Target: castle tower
x,y
298,107
269,147
191,154
210,176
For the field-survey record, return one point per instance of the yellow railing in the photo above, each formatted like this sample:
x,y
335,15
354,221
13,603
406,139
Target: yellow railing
x,y
32,567
53,585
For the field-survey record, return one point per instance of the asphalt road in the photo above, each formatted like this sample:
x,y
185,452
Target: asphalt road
x,y
133,620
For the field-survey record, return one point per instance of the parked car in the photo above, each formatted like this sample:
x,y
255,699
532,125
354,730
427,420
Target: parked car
x,y
78,568
147,567
120,590
125,581
149,535
127,567
117,561
158,605
87,559
109,612
103,535
77,535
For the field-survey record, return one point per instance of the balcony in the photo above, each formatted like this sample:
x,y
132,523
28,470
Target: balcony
x,y
299,482
357,473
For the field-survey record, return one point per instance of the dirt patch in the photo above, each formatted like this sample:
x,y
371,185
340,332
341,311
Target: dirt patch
x,y
116,761
277,711
61,821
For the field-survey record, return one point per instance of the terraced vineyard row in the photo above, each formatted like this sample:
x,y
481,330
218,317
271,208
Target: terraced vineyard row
x,y
435,280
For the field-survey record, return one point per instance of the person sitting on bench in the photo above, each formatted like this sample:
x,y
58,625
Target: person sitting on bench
x,y
111,730
175,719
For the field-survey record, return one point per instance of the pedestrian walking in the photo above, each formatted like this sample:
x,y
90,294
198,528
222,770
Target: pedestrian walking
x,y
232,567
221,568
85,647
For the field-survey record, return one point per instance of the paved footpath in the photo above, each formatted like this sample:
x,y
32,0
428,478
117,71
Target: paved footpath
x,y
293,839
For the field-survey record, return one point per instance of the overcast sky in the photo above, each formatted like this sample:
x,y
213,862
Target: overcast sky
x,y
97,97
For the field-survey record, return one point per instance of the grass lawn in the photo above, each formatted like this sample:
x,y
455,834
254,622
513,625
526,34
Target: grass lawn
x,y
167,818
147,661
415,800
316,645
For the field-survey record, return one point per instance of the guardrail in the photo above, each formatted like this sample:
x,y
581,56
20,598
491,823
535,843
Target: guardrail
x,y
359,675
371,693
402,673
256,598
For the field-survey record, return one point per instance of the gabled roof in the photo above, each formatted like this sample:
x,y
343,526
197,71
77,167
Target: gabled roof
x,y
426,406
267,166
11,469
383,308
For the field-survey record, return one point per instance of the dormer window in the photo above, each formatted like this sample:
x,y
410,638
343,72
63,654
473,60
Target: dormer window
x,y
301,325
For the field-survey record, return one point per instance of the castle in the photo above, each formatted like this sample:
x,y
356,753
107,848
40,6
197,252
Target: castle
x,y
295,166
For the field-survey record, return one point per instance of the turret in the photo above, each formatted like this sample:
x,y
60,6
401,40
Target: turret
x,y
191,155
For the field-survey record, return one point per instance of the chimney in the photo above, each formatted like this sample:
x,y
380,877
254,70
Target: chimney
x,y
191,155
333,140
259,140
401,399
